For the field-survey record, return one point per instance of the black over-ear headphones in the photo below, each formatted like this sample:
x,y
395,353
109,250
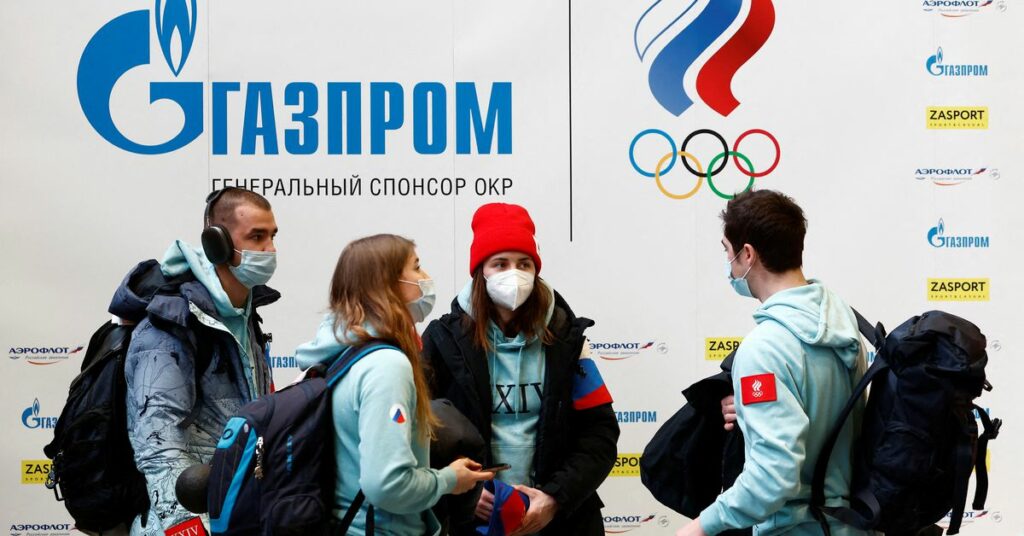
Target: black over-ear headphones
x,y
216,239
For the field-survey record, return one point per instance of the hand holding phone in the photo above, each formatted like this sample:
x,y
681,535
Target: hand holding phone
x,y
497,468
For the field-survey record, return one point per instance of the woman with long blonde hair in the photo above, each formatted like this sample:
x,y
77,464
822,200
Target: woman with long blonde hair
x,y
381,407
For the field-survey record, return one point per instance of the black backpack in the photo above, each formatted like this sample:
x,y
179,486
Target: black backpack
x,y
273,470
93,471
919,441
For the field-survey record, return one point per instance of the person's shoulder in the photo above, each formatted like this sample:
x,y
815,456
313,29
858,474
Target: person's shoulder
x,y
148,336
383,361
770,345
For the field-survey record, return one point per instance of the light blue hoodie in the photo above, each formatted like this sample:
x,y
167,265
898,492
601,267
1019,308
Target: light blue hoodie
x,y
182,257
516,367
807,345
377,443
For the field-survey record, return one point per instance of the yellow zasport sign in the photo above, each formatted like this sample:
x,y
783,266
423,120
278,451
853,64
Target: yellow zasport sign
x,y
718,348
34,471
962,290
626,465
957,117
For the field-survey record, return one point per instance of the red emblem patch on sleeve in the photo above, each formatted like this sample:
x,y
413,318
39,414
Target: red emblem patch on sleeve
x,y
758,388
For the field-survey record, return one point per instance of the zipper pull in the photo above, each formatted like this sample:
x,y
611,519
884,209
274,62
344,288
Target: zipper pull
x,y
51,476
259,459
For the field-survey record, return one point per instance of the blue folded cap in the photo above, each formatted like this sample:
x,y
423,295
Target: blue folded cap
x,y
510,506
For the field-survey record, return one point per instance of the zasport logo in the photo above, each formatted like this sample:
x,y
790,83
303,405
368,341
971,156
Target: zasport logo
x,y
627,464
34,471
959,289
718,348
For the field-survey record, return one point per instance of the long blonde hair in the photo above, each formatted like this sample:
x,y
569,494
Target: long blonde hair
x,y
364,293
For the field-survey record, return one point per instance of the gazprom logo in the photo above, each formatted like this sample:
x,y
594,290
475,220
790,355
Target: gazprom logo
x,y
30,418
937,67
681,47
938,238
124,44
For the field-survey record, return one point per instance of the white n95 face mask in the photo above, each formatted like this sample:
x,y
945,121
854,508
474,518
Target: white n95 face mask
x,y
510,288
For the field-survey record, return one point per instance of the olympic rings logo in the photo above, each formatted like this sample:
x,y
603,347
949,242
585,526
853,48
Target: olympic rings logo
x,y
720,160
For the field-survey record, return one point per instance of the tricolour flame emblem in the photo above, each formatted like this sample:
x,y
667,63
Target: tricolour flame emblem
x,y
176,23
756,387
684,47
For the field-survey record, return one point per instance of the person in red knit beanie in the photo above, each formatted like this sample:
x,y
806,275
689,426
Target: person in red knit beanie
x,y
511,357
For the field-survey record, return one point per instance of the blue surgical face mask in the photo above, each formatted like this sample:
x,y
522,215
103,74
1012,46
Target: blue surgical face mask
x,y
256,268
739,284
421,307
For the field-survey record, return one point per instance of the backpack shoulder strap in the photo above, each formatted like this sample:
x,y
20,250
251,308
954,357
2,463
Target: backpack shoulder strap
x,y
335,373
344,362
991,431
818,508
874,334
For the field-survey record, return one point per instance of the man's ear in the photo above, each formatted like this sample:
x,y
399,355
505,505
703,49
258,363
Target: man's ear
x,y
750,252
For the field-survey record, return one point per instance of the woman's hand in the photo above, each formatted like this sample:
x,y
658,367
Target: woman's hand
x,y
467,474
543,508
485,505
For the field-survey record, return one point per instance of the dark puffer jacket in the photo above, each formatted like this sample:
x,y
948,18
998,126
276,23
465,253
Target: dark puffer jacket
x,y
576,449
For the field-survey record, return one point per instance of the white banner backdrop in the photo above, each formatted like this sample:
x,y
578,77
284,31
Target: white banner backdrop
x,y
355,118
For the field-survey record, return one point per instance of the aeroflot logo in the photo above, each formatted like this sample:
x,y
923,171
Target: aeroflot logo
x,y
681,47
123,44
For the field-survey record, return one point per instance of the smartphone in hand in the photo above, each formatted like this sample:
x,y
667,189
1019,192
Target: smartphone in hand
x,y
497,468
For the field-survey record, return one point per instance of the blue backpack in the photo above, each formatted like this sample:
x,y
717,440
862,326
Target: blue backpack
x,y
919,441
273,470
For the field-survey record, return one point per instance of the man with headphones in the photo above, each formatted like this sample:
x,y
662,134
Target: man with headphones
x,y
198,354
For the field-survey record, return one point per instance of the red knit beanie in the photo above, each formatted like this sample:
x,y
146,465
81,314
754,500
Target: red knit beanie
x,y
501,227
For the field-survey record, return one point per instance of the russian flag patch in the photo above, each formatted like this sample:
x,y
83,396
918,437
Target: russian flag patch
x,y
588,388
398,414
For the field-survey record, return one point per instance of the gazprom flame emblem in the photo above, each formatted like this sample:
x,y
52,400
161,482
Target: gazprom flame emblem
x,y
681,47
123,44
756,387
176,25
935,234
934,63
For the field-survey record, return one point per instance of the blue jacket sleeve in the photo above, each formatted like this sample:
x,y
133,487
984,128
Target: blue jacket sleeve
x,y
776,435
390,475
161,393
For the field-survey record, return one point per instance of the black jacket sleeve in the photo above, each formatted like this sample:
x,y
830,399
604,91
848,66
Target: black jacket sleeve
x,y
438,377
593,436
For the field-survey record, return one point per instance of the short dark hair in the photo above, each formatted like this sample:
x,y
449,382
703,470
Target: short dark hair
x,y
223,210
772,223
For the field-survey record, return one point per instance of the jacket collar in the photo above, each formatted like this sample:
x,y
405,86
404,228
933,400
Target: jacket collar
x,y
564,325
174,308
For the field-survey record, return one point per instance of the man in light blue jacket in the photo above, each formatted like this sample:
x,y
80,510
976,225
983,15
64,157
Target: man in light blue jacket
x,y
792,376
198,353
